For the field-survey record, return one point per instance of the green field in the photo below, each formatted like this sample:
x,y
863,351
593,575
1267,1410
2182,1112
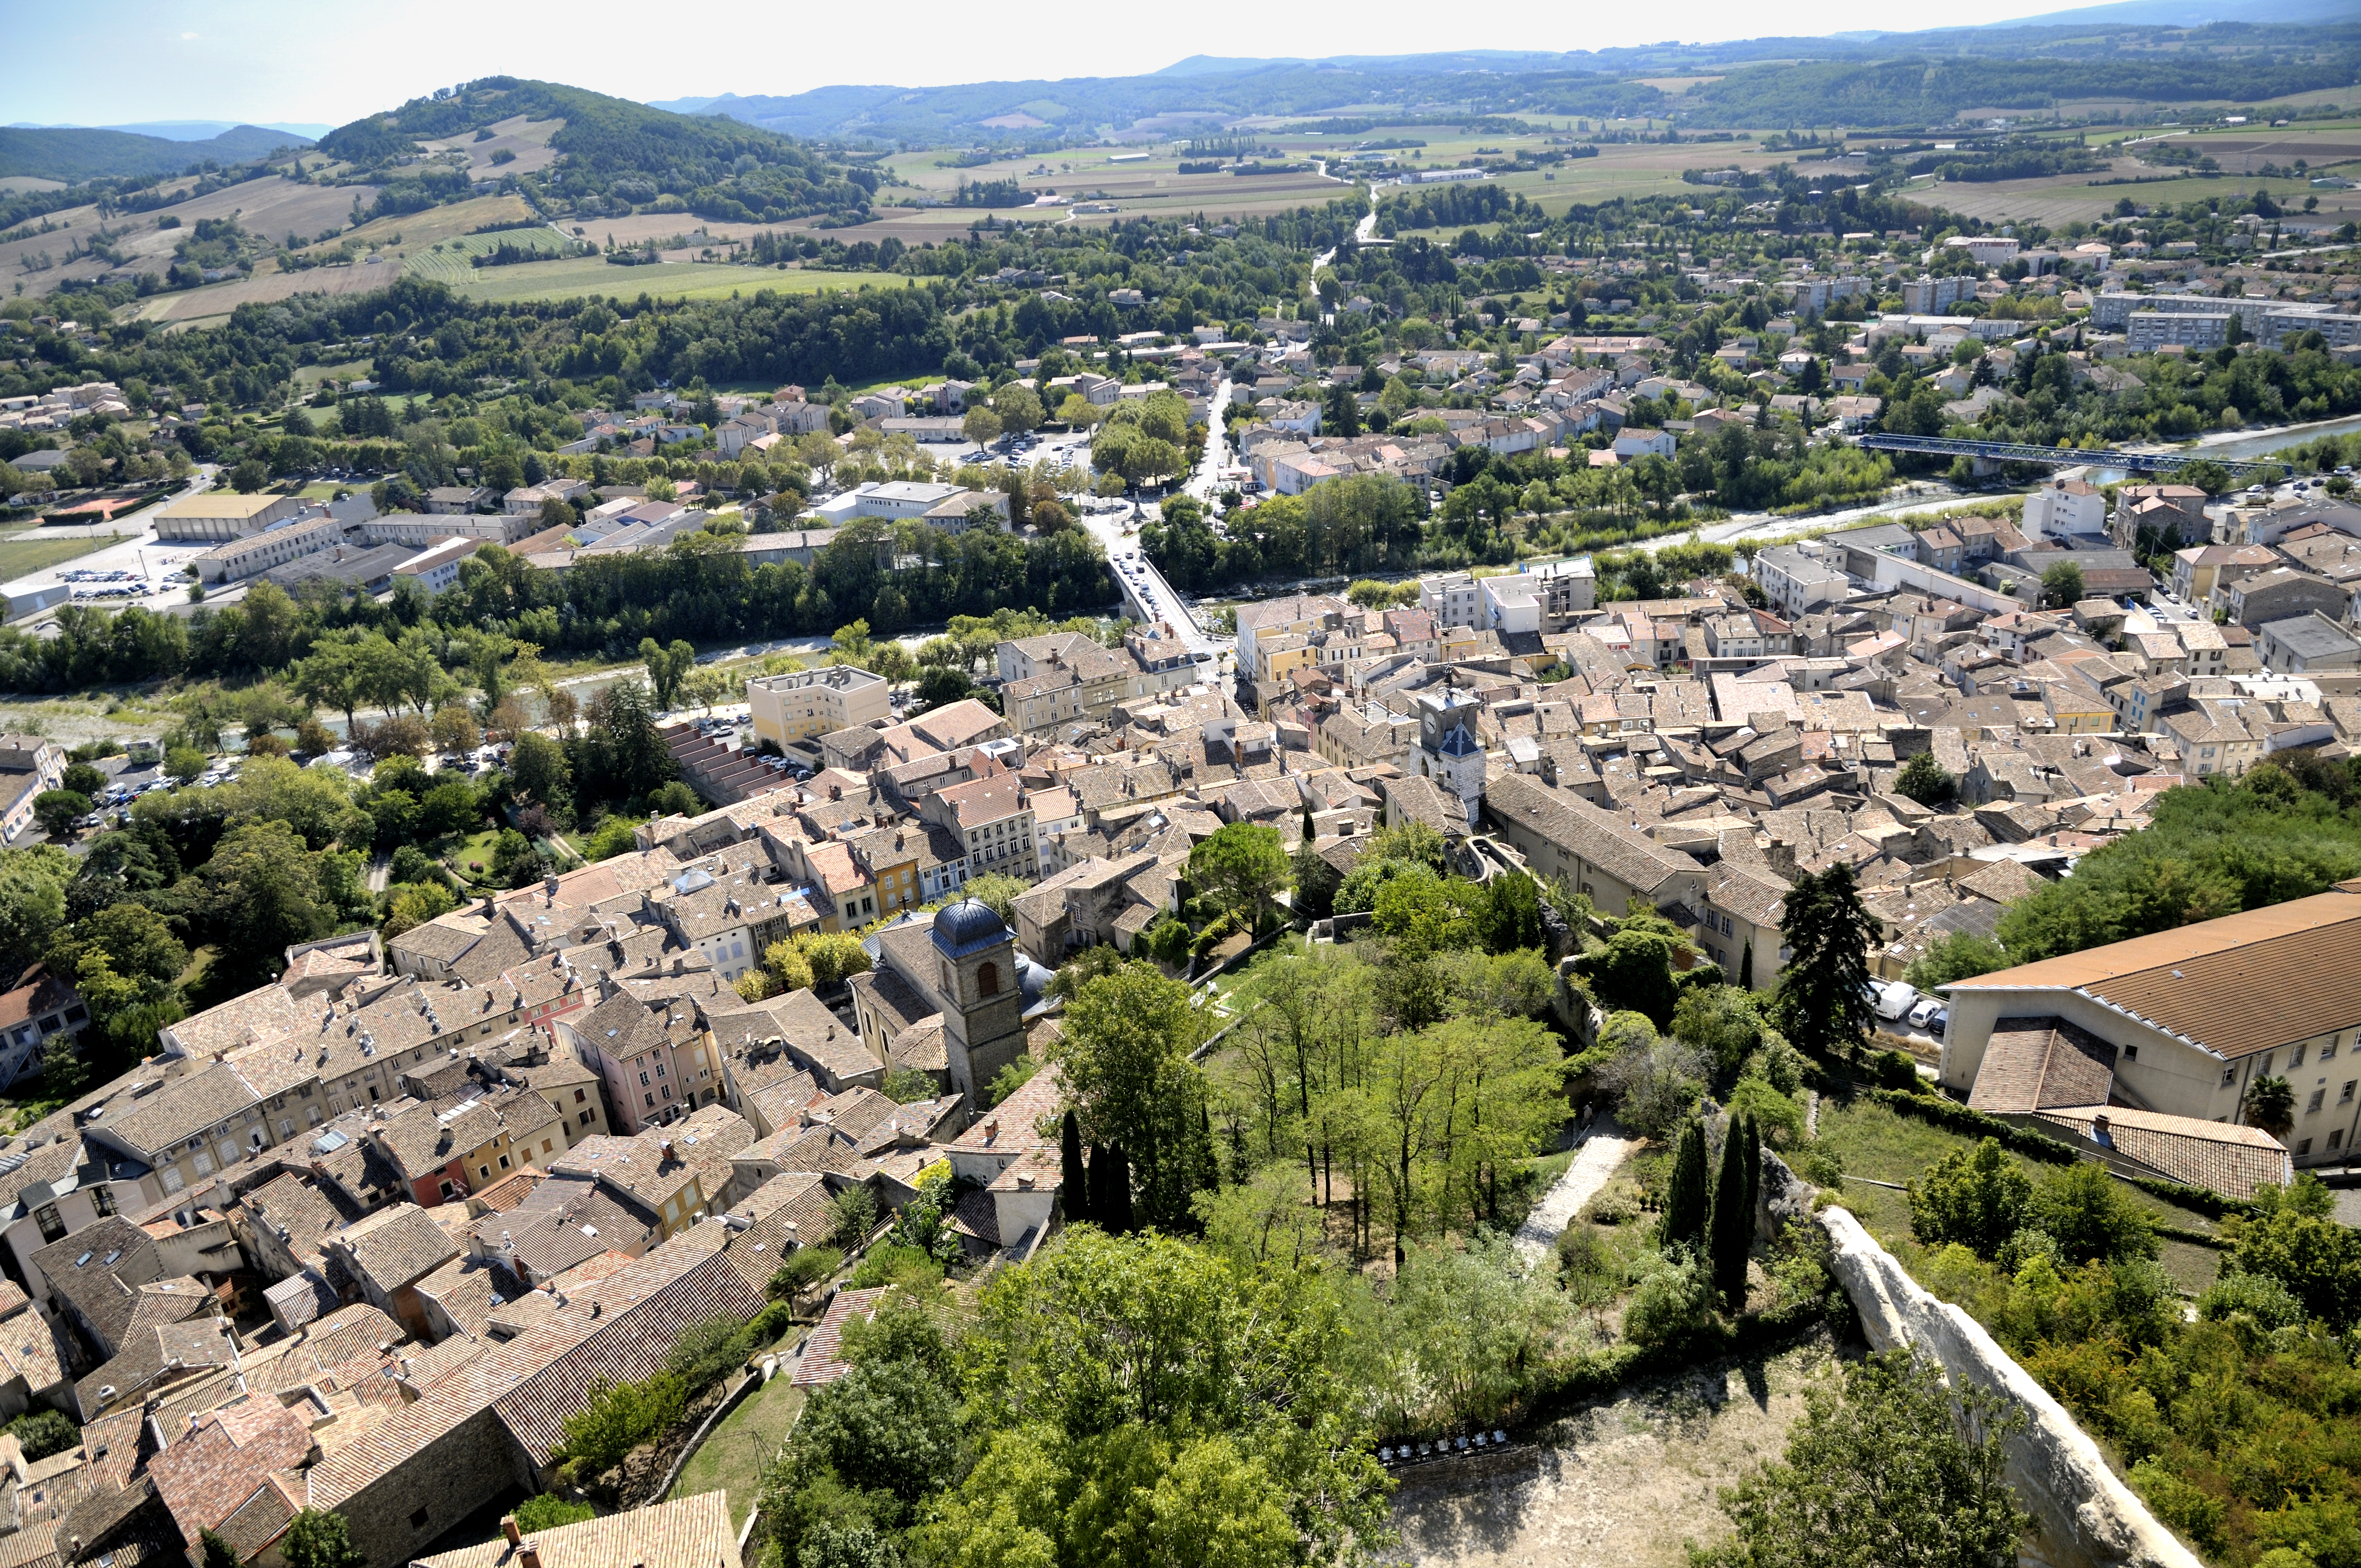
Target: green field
x,y
22,554
667,281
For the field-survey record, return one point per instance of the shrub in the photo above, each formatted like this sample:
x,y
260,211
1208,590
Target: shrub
x,y
889,1264
549,1511
618,1420
1976,1197
2257,1298
708,1352
853,1216
44,1433
1672,1303
2090,1216
769,1323
805,1267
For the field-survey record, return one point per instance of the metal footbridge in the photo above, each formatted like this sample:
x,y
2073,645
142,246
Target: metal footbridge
x,y
2056,456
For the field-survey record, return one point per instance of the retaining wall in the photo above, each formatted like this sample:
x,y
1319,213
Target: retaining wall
x,y
2088,1518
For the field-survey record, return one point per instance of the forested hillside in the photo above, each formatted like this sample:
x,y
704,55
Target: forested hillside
x,y
74,154
616,156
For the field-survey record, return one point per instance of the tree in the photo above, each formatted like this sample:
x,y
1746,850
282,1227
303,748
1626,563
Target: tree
x,y
1899,1467
668,666
1957,955
182,763
262,893
57,810
2269,1104
1018,409
1926,781
1746,968
537,770
2293,1238
1976,1198
1633,972
1730,1231
1124,1056
981,426
2061,584
1687,1197
217,1551
1241,865
804,1267
317,1540
2087,1212
1824,988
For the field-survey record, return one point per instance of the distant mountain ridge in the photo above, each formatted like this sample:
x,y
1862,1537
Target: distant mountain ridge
x,y
1855,78
79,153
189,130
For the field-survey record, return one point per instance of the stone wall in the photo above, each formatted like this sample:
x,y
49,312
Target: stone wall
x,y
2088,1518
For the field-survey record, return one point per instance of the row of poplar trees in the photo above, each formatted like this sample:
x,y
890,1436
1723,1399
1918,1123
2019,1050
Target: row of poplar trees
x,y
1711,1214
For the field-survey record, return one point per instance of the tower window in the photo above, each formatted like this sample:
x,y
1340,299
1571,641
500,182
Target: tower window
x,y
987,979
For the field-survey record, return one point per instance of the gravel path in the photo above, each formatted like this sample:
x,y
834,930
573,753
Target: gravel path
x,y
1603,1151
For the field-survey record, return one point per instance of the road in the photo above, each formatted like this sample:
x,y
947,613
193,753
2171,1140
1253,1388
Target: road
x,y
135,551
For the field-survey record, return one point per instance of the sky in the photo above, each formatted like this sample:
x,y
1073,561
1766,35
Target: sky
x,y
332,61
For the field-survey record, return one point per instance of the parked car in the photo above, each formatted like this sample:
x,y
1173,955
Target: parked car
x,y
1896,1000
1940,1022
1924,1012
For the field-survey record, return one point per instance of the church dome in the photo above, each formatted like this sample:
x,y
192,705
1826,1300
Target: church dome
x,y
968,926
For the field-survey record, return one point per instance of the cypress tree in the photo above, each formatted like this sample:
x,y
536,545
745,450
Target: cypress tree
x,y
1732,1227
1746,968
1073,1176
1118,1218
1754,1170
1102,1175
1687,1194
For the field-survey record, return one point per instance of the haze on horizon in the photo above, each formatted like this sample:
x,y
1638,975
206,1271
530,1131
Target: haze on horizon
x,y
280,60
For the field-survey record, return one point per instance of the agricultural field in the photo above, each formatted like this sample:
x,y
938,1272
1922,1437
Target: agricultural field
x,y
526,141
669,280
272,208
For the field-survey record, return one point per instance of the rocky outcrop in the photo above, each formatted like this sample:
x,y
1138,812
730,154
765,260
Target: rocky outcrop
x,y
2088,1518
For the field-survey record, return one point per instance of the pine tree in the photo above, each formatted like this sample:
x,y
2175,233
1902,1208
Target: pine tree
x,y
1075,1179
1746,968
1824,1002
1733,1226
1687,1194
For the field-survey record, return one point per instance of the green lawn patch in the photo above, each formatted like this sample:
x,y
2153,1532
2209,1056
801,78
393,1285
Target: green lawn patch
x,y
477,847
24,554
1879,1144
735,1452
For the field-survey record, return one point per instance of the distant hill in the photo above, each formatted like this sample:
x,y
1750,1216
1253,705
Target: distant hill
x,y
2195,13
87,154
614,156
2163,52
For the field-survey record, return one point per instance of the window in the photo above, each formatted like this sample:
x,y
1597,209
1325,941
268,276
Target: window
x,y
172,1181
643,1081
2313,1103
2229,1076
449,1190
2336,1138
504,1162
102,1199
418,1519
544,1145
52,1227
987,979
585,1118
580,1095
2302,1148
649,1098
2130,1053
2328,1047
2297,1059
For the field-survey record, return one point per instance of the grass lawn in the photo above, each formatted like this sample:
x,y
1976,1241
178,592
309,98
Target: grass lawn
x,y
21,554
1874,1142
736,1450
475,847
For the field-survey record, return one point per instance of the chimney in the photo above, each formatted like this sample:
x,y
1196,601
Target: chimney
x,y
664,1150
528,1557
514,1536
